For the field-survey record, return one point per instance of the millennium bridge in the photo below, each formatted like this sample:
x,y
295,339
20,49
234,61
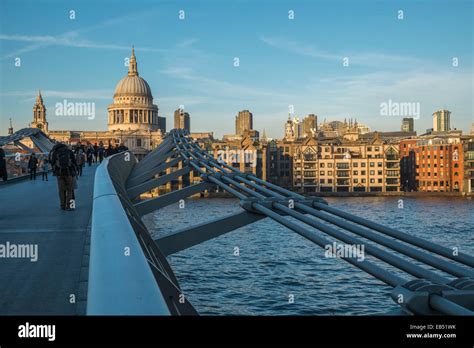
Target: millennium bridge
x,y
102,260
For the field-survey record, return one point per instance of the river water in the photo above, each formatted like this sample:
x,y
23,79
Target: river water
x,y
277,272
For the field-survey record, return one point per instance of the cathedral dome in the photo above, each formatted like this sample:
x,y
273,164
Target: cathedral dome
x,y
132,108
133,85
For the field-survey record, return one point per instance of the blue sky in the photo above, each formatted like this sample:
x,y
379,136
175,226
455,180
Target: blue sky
x,y
282,61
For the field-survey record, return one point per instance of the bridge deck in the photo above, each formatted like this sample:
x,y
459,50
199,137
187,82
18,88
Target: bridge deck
x,y
30,214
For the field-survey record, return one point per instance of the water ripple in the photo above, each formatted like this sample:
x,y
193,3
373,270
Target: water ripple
x,y
276,265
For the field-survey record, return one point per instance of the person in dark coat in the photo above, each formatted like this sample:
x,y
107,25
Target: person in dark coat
x,y
90,155
32,166
101,152
64,167
96,152
3,166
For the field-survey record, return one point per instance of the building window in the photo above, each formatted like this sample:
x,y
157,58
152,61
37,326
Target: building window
x,y
372,164
329,181
356,181
321,181
329,172
321,172
355,164
379,172
342,165
329,165
372,172
379,181
355,172
362,172
362,165
321,165
379,164
139,142
372,181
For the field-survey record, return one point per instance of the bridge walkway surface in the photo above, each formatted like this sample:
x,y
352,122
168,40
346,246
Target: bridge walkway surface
x,y
55,284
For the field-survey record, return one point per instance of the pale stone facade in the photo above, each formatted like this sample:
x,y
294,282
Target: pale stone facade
x,y
335,165
346,167
39,114
132,118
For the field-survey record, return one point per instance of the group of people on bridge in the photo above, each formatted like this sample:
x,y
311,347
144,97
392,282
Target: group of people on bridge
x,y
67,163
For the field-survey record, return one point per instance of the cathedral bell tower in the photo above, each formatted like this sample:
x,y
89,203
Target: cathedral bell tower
x,y
39,114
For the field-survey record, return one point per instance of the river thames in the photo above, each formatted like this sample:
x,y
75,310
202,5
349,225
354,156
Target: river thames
x,y
266,269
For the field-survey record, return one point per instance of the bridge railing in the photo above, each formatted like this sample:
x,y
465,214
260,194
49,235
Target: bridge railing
x,y
121,281
429,278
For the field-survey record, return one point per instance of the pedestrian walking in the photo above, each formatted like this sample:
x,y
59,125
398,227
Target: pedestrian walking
x,y
45,169
96,152
90,155
3,166
64,167
101,152
80,160
32,166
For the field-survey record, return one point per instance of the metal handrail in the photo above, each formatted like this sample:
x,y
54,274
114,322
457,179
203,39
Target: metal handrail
x,y
121,281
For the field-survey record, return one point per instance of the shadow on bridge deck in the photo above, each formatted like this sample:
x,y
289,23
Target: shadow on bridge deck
x,y
30,214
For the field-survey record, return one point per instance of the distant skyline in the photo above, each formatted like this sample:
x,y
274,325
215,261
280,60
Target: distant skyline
x,y
282,62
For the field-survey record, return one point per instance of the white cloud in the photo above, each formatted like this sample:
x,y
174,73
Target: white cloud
x,y
64,40
221,88
73,39
187,43
357,58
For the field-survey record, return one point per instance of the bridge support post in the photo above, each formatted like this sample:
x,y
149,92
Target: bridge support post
x,y
194,235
